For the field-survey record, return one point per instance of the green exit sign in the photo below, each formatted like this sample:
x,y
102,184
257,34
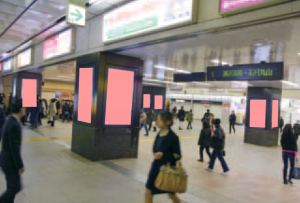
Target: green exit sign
x,y
76,12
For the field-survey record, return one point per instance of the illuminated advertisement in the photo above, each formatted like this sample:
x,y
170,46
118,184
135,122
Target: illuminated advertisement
x,y
85,92
227,6
275,107
14,87
6,66
24,58
119,97
58,45
29,92
145,15
146,99
258,113
158,102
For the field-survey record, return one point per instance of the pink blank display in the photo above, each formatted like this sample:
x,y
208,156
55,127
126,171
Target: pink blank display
x,y
85,92
158,104
29,92
147,98
119,97
275,106
258,113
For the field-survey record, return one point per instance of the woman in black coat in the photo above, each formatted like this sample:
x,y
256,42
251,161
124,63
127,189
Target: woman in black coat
x,y
166,150
205,140
289,151
181,117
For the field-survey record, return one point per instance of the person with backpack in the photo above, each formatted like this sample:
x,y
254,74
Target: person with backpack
x,y
218,144
181,117
205,140
297,129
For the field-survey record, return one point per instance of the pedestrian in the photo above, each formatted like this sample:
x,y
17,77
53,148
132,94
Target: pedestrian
x,y
41,109
2,119
152,120
281,124
143,122
10,156
190,118
166,150
289,152
297,129
211,120
218,145
52,112
65,111
181,117
206,116
232,120
205,141
71,110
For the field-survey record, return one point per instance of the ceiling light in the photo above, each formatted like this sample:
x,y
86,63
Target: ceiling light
x,y
299,53
202,83
172,69
290,83
94,2
218,62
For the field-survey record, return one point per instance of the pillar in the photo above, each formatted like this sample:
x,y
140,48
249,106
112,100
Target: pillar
x,y
262,116
107,102
157,94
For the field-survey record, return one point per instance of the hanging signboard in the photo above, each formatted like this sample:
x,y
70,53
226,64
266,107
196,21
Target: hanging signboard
x,y
144,16
76,12
58,45
6,65
24,58
230,7
268,71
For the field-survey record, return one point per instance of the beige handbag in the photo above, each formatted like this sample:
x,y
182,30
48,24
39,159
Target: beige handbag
x,y
172,179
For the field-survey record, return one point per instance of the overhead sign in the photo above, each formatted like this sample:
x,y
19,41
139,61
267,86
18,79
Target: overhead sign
x,y
24,58
144,16
58,45
237,6
6,65
269,71
192,77
76,12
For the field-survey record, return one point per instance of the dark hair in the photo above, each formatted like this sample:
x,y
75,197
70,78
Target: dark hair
x,y
205,124
288,128
208,110
191,110
167,116
17,106
217,121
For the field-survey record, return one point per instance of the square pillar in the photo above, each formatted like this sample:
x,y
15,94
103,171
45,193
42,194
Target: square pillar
x,y
262,116
107,102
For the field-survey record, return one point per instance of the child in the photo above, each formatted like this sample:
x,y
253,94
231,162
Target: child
x,y
190,118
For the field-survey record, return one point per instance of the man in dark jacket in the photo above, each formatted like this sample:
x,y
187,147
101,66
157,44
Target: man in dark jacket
x,y
2,119
218,144
181,117
232,120
10,157
205,140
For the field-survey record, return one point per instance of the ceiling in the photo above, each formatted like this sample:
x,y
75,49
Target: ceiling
x,y
40,15
272,42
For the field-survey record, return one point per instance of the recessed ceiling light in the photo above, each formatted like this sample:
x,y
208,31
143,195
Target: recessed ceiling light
x,y
299,53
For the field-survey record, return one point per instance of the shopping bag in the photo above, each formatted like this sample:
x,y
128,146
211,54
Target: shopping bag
x,y
296,173
172,179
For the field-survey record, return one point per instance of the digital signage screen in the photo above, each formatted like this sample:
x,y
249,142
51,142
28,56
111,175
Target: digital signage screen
x,y
275,113
29,92
6,65
147,101
85,93
258,113
119,97
24,58
267,71
158,102
145,15
58,45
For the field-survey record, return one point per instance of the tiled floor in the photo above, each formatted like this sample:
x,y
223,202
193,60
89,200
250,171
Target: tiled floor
x,y
55,175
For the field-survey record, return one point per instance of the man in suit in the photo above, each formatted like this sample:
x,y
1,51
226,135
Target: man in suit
x,y
10,156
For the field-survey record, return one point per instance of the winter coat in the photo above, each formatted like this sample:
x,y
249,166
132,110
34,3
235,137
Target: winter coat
x,y
52,111
289,142
181,115
205,137
143,119
218,139
190,117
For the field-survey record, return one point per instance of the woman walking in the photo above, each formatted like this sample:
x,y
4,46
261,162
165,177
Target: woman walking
x,y
190,119
52,112
289,152
205,140
166,150
218,144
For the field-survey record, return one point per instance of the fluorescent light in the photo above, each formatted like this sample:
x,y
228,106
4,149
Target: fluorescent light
x,y
202,83
290,83
94,2
218,62
172,69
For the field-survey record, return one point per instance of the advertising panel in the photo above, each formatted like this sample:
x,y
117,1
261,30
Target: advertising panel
x,y
158,102
238,6
6,66
275,113
147,101
145,15
58,45
29,92
258,113
24,58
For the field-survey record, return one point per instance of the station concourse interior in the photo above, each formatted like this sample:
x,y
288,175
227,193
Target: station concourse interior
x,y
87,158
